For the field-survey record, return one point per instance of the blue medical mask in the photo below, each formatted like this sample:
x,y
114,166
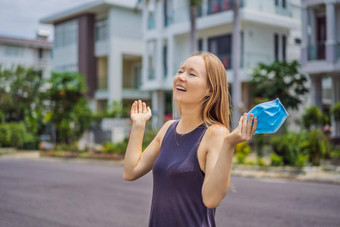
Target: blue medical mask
x,y
270,116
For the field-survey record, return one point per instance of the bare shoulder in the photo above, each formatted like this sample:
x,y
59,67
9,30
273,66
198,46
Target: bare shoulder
x,y
163,130
216,132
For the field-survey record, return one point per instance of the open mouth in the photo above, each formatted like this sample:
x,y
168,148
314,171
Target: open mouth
x,y
180,88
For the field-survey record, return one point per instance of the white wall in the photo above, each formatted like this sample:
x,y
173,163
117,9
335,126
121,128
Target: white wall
x,y
125,23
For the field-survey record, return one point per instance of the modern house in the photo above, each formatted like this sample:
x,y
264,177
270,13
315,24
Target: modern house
x,y
103,41
320,56
26,52
270,30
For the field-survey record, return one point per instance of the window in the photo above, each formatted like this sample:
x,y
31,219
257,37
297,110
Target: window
x,y
276,47
137,76
14,51
66,34
221,47
165,60
276,2
101,30
151,48
284,4
284,44
41,53
200,45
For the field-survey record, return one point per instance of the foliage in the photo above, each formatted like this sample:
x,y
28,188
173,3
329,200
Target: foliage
x,y
20,92
279,79
68,109
335,154
15,134
312,117
115,148
336,111
260,162
289,147
276,160
318,146
242,151
259,141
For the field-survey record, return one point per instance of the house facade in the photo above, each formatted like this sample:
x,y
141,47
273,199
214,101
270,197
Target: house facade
x,y
34,53
320,53
270,30
103,41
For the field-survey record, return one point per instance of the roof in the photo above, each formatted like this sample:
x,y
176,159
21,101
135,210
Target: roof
x,y
37,43
91,7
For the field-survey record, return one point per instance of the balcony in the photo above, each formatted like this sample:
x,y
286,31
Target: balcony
x,y
316,52
219,6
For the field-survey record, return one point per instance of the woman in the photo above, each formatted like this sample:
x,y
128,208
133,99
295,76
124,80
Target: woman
x,y
191,158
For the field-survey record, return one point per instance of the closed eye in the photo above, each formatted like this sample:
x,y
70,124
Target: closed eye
x,y
191,74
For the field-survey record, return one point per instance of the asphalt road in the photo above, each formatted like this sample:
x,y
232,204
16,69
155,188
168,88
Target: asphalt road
x,y
51,194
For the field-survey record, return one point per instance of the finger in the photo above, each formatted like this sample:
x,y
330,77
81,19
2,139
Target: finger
x,y
149,110
254,126
249,124
133,107
144,107
240,125
244,123
140,108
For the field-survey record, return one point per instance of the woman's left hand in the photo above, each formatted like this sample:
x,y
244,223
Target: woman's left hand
x,y
244,131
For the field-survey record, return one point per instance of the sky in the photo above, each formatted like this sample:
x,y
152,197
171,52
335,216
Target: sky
x,y
20,18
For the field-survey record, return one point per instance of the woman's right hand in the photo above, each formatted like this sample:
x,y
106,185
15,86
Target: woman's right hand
x,y
140,113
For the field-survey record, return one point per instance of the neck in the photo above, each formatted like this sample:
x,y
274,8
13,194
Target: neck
x,y
190,118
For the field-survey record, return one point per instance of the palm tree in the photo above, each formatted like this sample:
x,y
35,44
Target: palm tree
x,y
193,11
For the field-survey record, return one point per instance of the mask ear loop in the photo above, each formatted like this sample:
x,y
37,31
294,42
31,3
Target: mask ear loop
x,y
233,188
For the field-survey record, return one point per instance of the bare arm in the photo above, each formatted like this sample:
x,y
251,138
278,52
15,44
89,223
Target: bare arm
x,y
138,163
221,144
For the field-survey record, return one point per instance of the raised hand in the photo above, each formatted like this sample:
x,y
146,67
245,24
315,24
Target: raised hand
x,y
244,131
140,113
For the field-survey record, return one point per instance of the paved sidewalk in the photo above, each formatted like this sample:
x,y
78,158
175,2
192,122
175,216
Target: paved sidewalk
x,y
308,174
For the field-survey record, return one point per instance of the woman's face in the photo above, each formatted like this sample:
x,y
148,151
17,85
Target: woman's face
x,y
191,82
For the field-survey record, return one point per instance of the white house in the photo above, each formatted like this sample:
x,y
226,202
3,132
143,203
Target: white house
x,y
320,56
102,40
26,52
270,30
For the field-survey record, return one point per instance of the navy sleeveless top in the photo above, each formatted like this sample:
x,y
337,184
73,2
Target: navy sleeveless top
x,y
177,182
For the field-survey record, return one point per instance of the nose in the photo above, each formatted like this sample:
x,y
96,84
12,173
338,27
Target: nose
x,y
181,77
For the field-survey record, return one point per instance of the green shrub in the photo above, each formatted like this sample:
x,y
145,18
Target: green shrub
x,y
242,151
260,162
319,145
335,154
288,146
312,117
336,111
115,148
301,160
15,134
276,160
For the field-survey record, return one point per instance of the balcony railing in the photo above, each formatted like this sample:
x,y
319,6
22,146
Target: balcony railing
x,y
316,52
219,6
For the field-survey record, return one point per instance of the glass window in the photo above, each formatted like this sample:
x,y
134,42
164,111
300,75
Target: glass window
x,y
276,47
221,47
14,51
101,30
284,45
66,34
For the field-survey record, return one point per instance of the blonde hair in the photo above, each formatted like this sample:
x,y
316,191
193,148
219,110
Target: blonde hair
x,y
215,108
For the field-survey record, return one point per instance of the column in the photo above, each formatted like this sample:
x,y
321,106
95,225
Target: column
x,y
330,23
335,99
316,90
304,46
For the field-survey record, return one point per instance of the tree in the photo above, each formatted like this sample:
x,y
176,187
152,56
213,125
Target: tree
x,y
279,79
68,110
193,11
20,93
